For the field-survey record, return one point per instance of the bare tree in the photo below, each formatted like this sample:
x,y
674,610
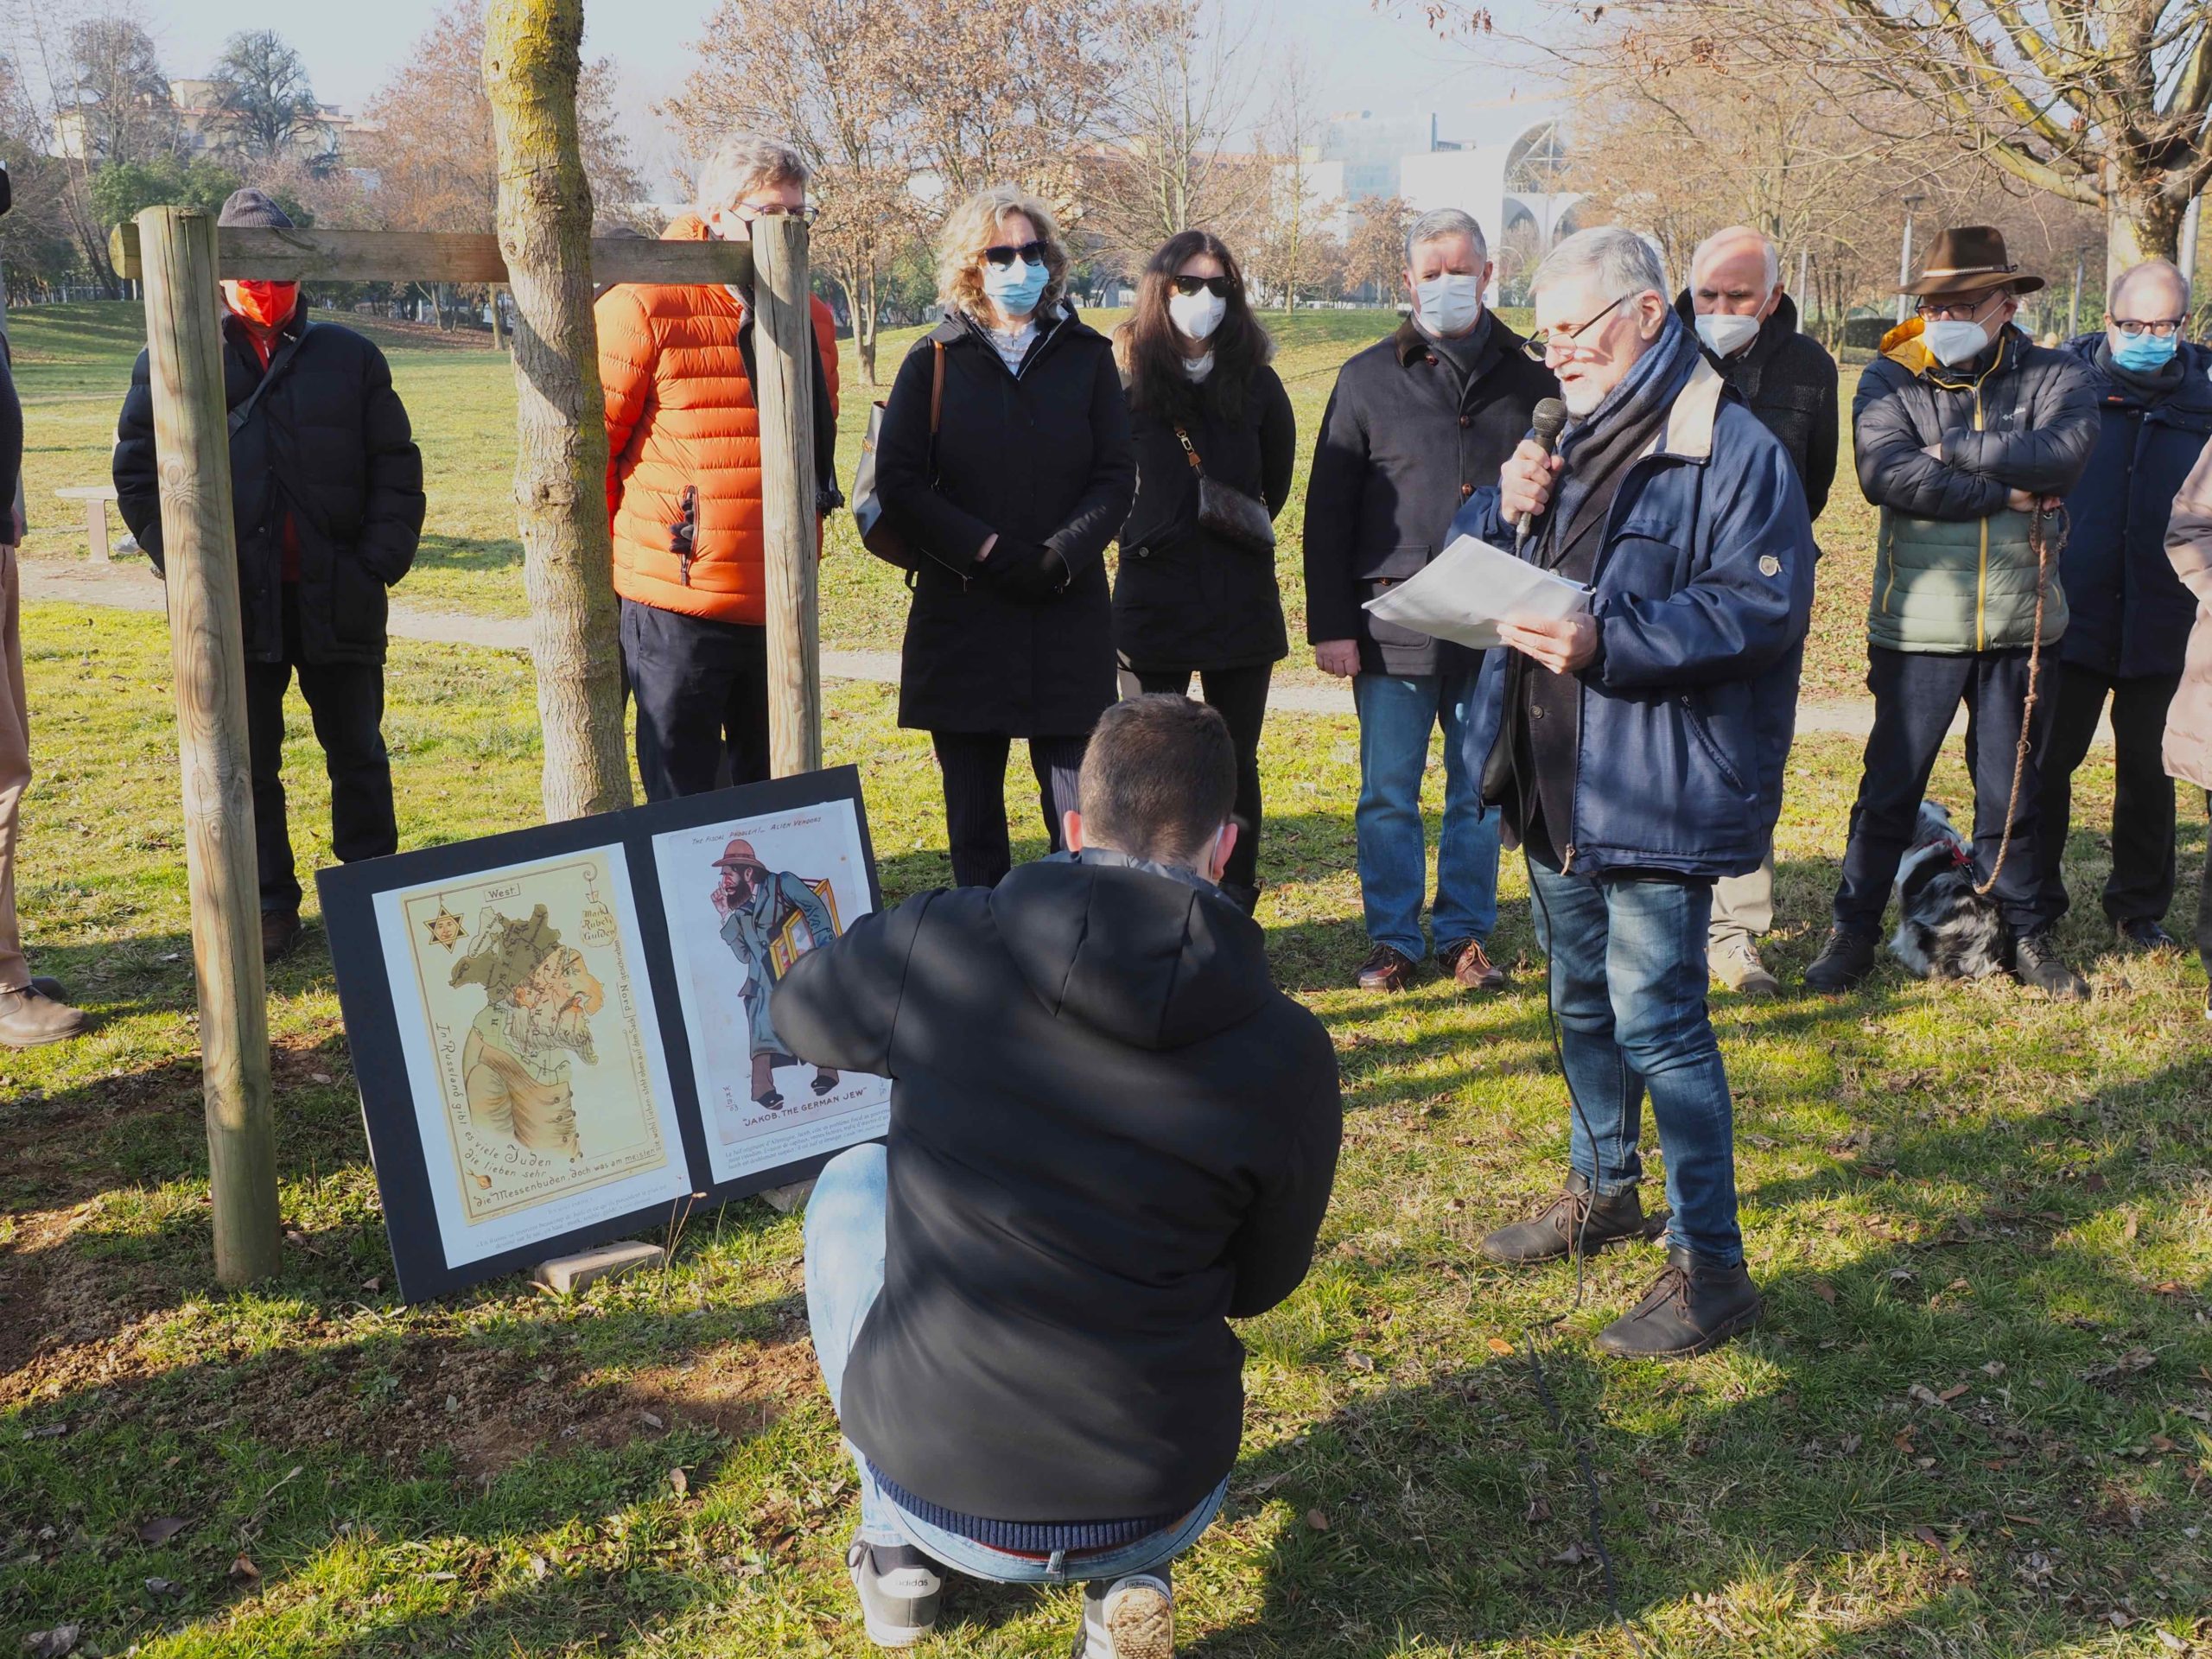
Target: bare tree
x,y
1296,245
115,92
264,103
1375,252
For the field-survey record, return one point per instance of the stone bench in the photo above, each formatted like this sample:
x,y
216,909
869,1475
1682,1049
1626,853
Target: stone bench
x,y
95,498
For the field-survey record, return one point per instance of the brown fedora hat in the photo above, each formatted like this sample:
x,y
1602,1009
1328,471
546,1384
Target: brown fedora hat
x,y
1969,259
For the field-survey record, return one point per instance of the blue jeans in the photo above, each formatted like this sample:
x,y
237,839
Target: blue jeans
x,y
1395,717
1629,983
844,1273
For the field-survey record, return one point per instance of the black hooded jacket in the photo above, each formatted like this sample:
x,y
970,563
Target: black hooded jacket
x,y
1110,1134
1789,380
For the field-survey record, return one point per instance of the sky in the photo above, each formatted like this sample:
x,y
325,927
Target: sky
x,y
1364,59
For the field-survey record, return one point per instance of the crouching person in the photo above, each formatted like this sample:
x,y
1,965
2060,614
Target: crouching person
x,y
1110,1135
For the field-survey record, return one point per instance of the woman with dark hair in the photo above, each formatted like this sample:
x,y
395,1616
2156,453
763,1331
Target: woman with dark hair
x,y
1214,435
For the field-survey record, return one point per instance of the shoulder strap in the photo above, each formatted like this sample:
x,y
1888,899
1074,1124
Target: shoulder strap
x,y
281,361
1191,454
937,386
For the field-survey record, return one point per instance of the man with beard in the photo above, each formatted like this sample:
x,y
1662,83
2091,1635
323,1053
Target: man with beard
x,y
538,997
757,903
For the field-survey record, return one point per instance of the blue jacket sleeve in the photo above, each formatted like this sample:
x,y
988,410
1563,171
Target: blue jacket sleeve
x,y
1482,517
1893,469
1747,604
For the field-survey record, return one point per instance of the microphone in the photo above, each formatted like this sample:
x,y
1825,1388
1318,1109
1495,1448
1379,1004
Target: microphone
x,y
1544,422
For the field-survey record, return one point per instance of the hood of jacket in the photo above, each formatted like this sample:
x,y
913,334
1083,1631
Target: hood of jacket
x,y
1144,958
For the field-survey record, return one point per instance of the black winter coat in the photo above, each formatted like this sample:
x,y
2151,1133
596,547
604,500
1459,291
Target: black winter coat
x,y
1041,457
328,443
1789,381
2129,615
1186,598
1404,444
1110,1134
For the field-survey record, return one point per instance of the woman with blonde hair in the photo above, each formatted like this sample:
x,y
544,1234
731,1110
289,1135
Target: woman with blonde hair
x,y
1005,460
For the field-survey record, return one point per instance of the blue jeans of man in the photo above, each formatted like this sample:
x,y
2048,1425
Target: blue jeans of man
x,y
1395,717
844,1273
1628,957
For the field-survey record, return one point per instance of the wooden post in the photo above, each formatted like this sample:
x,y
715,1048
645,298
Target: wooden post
x,y
207,661
782,338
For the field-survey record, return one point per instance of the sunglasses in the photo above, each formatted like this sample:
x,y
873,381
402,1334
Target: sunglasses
x,y
1003,256
1220,287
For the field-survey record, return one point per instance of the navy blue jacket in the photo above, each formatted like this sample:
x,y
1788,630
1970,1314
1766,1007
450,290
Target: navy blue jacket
x,y
2130,613
1703,589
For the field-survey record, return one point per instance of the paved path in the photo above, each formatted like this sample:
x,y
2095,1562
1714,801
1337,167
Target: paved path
x,y
129,584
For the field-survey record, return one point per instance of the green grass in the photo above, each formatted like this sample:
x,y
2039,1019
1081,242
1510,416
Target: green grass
x,y
1974,1423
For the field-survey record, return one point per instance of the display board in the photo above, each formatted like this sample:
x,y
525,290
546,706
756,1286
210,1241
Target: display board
x,y
561,1034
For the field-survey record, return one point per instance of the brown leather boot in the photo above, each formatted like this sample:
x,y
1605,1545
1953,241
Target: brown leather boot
x,y
30,1019
1696,1304
280,932
1575,1220
1387,969
1470,968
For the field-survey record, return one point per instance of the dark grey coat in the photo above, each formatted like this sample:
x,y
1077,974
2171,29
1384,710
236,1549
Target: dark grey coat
x,y
1789,381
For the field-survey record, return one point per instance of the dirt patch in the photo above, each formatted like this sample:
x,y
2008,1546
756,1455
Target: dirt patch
x,y
67,1323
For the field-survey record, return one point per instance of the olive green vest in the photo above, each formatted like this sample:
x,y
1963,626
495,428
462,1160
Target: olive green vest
x,y
1958,586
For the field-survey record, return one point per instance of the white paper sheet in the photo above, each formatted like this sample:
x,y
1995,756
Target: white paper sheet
x,y
1471,587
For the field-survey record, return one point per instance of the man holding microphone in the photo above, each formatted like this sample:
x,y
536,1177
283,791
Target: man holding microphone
x,y
1636,757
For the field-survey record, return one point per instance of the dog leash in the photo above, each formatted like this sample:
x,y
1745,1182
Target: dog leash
x,y
2039,539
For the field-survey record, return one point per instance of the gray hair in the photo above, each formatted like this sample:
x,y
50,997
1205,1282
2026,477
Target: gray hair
x,y
1619,261
1439,223
743,161
1734,232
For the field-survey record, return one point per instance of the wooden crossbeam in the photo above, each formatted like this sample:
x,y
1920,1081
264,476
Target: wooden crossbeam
x,y
281,256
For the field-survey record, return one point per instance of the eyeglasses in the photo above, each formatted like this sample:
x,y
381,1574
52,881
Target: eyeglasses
x,y
1955,310
1220,287
1002,255
2165,328
750,210
1539,347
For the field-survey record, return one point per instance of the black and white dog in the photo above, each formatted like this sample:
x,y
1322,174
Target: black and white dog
x,y
1945,930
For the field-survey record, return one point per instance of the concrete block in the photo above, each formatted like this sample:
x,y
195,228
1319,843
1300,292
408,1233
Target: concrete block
x,y
565,1274
790,1200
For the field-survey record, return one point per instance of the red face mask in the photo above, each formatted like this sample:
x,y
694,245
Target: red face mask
x,y
264,303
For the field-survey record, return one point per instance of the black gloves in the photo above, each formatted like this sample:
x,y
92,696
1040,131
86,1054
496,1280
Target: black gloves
x,y
1027,570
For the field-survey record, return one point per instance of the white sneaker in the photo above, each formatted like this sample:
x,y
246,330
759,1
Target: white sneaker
x,y
1130,1618
1736,965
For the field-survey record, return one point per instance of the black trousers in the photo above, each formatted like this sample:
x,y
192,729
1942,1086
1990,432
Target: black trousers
x,y
702,690
973,764
1240,697
346,702
2141,885
1915,694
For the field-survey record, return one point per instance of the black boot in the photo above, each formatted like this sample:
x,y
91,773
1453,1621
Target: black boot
x,y
1695,1304
1575,1220
2036,964
1844,962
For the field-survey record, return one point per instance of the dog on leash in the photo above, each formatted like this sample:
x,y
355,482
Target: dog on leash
x,y
1945,929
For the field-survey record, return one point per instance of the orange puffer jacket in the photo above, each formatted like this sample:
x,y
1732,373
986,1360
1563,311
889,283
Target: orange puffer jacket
x,y
680,415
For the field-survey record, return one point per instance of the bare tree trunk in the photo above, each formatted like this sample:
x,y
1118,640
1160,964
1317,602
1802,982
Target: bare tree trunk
x,y
531,60
499,323
862,300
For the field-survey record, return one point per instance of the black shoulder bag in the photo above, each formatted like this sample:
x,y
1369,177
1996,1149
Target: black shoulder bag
x,y
1228,511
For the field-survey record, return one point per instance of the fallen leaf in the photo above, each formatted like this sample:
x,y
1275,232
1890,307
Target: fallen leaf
x,y
1924,1395
2129,1231
1500,1345
2171,1642
244,1570
1995,1368
2118,1620
1952,1393
46,1432
1997,1465
1927,1536
678,1482
1825,1291
2025,1520
372,1284
162,1527
651,1421
2094,1182
162,1587
319,1076
1316,1520
1540,1510
1359,1362
2160,1443
1847,1444
53,1644
1573,1555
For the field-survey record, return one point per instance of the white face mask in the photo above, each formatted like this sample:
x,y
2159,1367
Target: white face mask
x,y
1197,315
1724,335
1449,304
1953,343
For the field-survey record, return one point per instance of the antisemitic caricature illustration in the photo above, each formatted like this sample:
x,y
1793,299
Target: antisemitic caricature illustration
x,y
531,1001
746,901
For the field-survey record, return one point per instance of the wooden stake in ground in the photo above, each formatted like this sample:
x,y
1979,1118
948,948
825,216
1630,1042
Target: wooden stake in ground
x,y
783,342
532,54
207,658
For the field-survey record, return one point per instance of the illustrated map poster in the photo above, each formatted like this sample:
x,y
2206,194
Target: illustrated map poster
x,y
745,898
533,1052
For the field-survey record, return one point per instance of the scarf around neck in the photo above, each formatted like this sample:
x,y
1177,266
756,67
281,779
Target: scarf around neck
x,y
1599,449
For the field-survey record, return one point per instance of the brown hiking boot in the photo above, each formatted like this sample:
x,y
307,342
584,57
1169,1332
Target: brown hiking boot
x,y
1696,1304
1387,969
280,932
1470,968
1575,1220
30,1019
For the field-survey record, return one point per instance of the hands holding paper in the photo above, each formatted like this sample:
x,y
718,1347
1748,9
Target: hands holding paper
x,y
1561,643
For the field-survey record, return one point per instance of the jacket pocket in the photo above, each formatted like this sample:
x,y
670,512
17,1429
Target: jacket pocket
x,y
1701,733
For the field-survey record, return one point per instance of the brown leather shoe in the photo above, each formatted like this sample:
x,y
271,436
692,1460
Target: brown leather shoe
x,y
1470,969
280,932
1575,1220
1387,969
30,1018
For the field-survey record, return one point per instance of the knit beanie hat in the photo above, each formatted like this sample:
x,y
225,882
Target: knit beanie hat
x,y
254,209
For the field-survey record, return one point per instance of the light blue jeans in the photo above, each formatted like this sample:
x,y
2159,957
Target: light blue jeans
x,y
1629,984
1395,717
844,1273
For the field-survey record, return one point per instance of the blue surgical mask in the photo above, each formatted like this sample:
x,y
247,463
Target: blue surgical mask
x,y
1015,288
2145,353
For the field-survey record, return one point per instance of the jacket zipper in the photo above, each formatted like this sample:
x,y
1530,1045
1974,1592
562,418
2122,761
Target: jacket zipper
x,y
1982,578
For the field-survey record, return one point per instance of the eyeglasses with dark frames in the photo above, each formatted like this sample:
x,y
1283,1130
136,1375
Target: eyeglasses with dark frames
x,y
1002,255
1539,347
1220,287
749,211
1960,310
2162,328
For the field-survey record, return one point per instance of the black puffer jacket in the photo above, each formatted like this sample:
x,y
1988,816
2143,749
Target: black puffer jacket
x,y
1110,1135
328,441
1042,457
1405,441
1186,598
1789,381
